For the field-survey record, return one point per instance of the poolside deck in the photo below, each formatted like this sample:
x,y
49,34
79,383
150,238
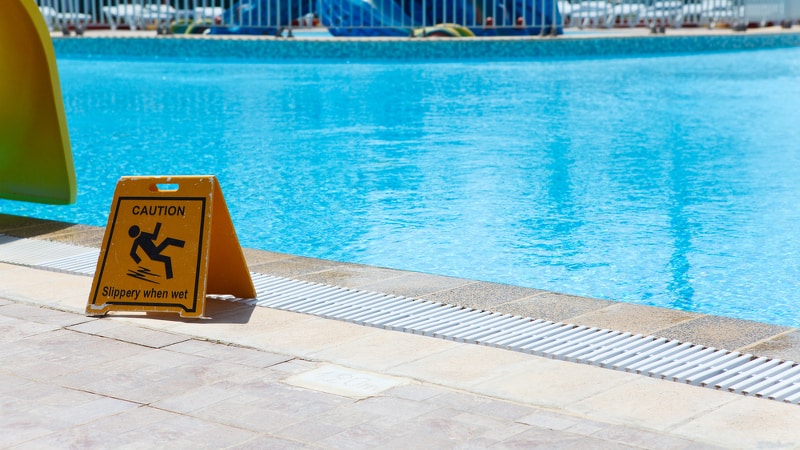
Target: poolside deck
x,y
281,383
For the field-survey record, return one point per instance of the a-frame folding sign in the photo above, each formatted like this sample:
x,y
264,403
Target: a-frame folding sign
x,y
169,241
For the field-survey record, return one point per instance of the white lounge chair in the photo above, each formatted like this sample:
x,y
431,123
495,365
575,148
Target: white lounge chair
x,y
662,13
138,16
161,16
604,14
565,8
207,13
712,12
764,11
159,11
63,20
627,14
592,13
129,14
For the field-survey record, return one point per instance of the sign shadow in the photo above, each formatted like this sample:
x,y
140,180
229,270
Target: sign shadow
x,y
216,311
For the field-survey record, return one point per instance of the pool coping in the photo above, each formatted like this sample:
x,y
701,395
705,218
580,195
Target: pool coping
x,y
761,339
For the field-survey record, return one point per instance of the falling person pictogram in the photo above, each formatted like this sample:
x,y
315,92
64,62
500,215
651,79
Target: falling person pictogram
x,y
146,241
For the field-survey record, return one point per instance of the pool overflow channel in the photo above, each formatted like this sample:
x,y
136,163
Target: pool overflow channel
x,y
652,356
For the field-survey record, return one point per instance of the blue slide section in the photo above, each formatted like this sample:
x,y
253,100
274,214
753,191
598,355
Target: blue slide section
x,y
399,17
265,17
395,17
364,18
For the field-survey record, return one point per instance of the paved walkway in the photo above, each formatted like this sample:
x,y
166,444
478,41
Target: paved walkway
x,y
258,378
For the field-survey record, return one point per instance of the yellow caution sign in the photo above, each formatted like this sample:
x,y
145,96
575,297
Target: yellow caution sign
x,y
168,242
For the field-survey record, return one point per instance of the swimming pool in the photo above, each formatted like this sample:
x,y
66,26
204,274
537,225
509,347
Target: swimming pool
x,y
668,181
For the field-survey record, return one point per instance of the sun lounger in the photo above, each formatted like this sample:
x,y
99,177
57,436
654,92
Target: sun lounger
x,y
127,14
138,16
627,14
592,14
765,11
712,12
64,20
662,13
565,8
207,13
601,13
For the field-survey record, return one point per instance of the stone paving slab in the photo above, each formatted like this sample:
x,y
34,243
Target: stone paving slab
x,y
635,319
138,335
31,313
784,346
229,353
383,351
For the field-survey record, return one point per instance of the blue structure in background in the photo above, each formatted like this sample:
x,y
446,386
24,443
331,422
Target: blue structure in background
x,y
365,18
266,17
401,17
396,17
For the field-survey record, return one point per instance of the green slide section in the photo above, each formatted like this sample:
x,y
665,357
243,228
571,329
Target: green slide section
x,y
35,155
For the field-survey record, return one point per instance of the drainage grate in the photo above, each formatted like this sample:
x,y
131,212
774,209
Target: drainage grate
x,y
646,355
48,255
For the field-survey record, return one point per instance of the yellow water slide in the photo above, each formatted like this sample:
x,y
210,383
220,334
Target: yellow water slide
x,y
35,155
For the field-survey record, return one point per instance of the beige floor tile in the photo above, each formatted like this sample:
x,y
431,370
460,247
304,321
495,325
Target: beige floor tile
x,y
19,427
653,404
384,349
241,413
228,353
78,437
747,422
197,398
465,365
309,337
141,336
634,318
179,431
56,290
13,329
259,331
551,383
34,313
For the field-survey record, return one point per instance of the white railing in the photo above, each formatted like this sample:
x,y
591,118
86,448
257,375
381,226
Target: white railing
x,y
410,17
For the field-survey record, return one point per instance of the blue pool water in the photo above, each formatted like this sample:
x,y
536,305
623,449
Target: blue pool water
x,y
671,181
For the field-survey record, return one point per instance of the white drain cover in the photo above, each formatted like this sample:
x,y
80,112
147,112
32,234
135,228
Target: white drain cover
x,y
344,382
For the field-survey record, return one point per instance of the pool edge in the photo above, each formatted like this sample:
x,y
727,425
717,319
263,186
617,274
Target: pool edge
x,y
762,339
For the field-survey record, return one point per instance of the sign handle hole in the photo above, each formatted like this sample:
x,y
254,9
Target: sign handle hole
x,y
164,187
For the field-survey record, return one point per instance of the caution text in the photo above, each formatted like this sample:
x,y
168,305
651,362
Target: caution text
x,y
158,210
